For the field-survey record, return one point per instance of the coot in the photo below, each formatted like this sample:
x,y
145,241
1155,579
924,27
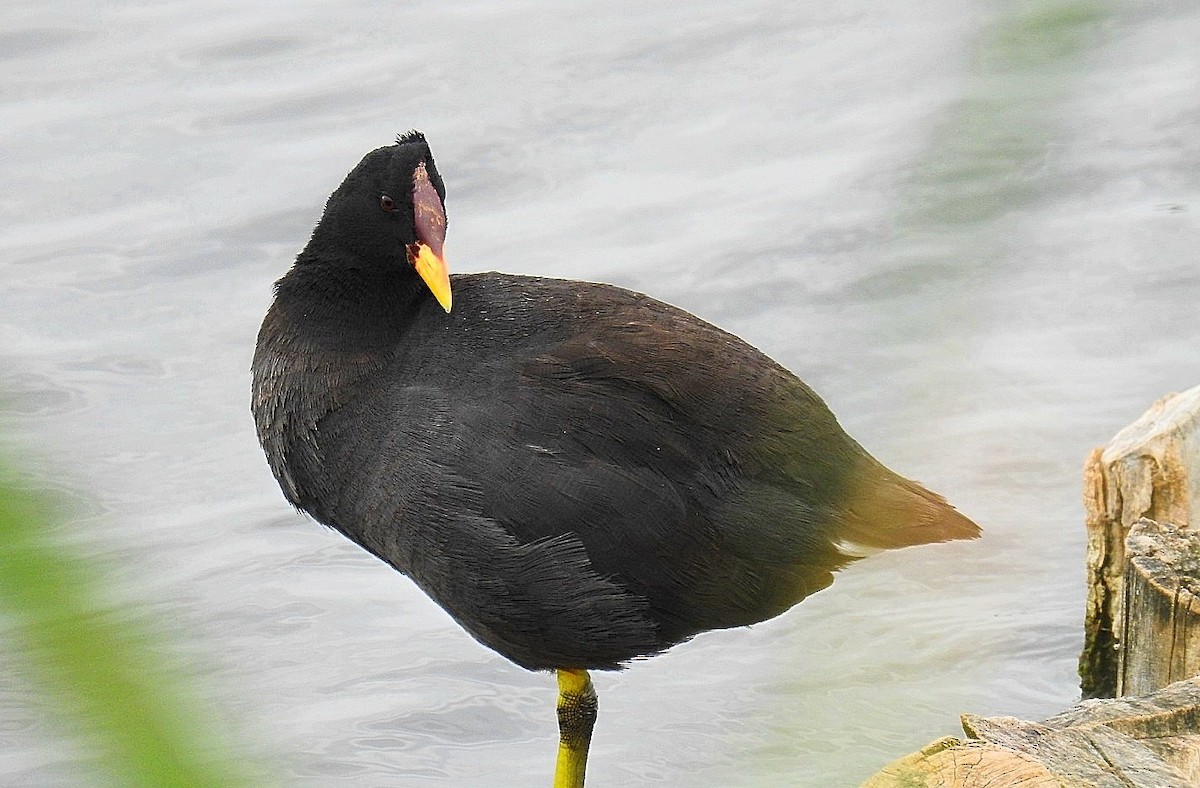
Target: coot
x,y
579,474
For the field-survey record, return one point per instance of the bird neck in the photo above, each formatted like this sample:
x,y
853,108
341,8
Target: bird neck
x,y
347,306
330,328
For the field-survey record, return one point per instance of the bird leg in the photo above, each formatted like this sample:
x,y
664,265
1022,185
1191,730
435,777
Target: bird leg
x,y
576,716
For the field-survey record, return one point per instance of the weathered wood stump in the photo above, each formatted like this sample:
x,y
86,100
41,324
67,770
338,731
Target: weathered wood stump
x,y
1148,742
1150,469
1142,495
1160,614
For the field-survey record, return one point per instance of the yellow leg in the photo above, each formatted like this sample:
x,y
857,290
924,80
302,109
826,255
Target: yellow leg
x,y
576,716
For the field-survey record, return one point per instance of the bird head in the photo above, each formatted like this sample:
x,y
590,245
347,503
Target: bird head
x,y
390,211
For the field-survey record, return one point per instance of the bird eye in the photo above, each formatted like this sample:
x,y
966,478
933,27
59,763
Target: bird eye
x,y
387,203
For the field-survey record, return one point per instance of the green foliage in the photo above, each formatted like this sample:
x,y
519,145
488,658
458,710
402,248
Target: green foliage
x,y
99,672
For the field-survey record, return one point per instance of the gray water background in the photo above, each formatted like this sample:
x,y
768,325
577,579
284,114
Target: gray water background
x,y
972,227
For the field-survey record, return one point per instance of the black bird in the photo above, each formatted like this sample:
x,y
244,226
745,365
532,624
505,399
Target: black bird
x,y
579,474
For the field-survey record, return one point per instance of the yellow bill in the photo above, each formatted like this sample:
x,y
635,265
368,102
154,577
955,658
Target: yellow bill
x,y
433,271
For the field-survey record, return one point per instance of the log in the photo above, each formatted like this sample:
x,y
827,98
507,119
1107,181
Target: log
x,y
1150,469
1148,742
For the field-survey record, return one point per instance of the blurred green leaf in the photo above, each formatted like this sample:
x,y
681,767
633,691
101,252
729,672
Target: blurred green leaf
x,y
99,671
